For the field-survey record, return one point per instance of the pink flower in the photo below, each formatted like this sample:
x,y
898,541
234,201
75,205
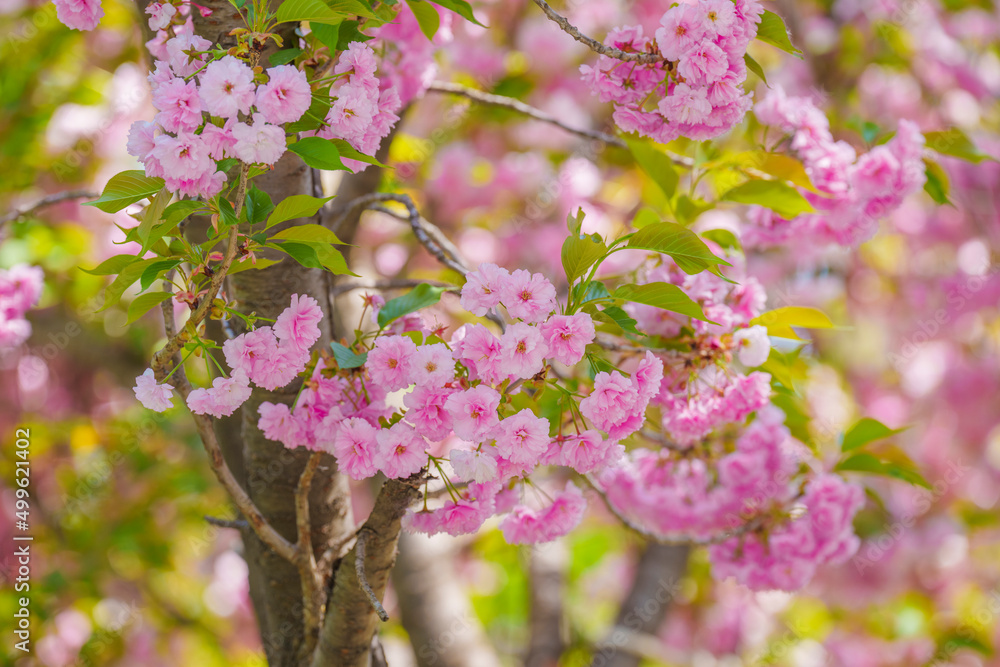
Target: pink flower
x,y
481,352
753,345
401,452
223,398
525,526
477,466
481,290
461,517
160,15
612,403
277,423
703,64
227,87
179,105
180,50
686,104
647,377
259,143
585,452
140,139
427,412
523,350
522,438
79,14
390,362
219,141
153,396
286,95
719,17
567,337
530,297
184,159
474,412
355,446
433,365
298,325
681,29
359,59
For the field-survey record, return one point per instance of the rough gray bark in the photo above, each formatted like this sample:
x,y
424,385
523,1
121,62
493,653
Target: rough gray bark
x,y
656,583
547,576
436,614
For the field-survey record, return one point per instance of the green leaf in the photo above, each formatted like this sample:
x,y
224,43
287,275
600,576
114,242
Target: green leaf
x,y
680,243
327,153
783,167
310,233
246,265
258,205
143,303
111,265
754,67
954,142
861,463
155,270
151,216
937,184
662,295
688,209
315,11
865,431
427,17
125,189
596,291
907,474
460,7
421,296
227,214
579,254
303,253
125,278
296,206
780,197
644,218
772,31
615,315
315,256
779,322
314,116
346,358
284,56
655,163
725,238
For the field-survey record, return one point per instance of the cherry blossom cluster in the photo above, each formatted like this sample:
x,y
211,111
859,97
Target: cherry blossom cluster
x,y
855,192
79,14
821,534
700,390
363,111
20,289
268,356
407,56
696,90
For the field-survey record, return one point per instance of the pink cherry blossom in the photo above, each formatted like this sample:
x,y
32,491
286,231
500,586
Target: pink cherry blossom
x,y
530,297
298,325
260,143
474,412
179,105
753,345
427,411
585,452
286,95
179,52
79,14
482,352
686,104
473,466
277,423
160,15
390,362
481,290
154,396
433,365
227,87
523,350
355,446
525,526
612,402
225,395
567,337
522,438
400,451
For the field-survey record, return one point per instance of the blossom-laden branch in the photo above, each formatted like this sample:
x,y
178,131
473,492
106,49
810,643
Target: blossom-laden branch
x,y
593,44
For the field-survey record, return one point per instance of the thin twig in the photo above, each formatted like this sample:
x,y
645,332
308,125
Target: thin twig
x,y
49,200
490,99
747,527
359,568
593,44
335,552
238,524
312,588
383,285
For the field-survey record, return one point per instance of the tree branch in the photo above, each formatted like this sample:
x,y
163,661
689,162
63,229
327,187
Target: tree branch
x,y
350,620
359,568
312,585
593,44
49,200
501,101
